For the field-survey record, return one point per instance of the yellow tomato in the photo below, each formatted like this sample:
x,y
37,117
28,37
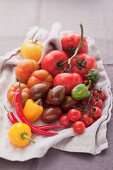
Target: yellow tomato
x,y
20,134
32,50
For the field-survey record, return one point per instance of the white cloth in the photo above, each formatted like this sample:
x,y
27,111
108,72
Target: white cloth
x,y
92,141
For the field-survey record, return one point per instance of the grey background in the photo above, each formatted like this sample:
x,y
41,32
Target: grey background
x,y
16,16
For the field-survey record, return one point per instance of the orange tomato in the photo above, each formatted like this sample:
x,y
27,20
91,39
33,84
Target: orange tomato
x,y
31,50
13,88
40,76
25,68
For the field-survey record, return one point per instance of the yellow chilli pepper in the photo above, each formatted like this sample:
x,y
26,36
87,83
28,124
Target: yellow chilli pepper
x,y
32,110
20,134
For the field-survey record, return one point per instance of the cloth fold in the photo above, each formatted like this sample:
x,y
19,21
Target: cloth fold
x,y
92,141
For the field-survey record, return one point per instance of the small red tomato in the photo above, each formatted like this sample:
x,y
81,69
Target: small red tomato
x,y
88,121
96,112
64,121
53,62
70,43
82,63
68,80
79,127
74,115
97,102
100,93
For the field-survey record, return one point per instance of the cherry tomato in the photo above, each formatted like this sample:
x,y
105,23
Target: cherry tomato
x,y
68,80
100,93
97,102
82,64
53,62
79,127
70,43
32,50
88,121
74,115
96,112
64,121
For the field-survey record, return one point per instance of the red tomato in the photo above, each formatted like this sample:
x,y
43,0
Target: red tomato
x,y
88,121
82,64
100,93
97,102
96,113
64,121
53,62
74,115
79,127
68,80
70,43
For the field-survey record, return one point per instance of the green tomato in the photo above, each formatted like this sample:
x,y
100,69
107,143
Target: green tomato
x,y
80,92
93,75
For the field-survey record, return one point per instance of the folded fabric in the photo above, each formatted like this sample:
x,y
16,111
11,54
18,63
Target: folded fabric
x,y
92,141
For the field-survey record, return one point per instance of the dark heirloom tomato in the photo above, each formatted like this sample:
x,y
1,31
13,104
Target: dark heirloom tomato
x,y
56,95
68,80
39,91
82,63
53,62
70,43
51,114
68,103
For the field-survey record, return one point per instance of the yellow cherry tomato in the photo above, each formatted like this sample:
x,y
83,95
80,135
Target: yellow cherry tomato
x,y
32,50
20,134
32,110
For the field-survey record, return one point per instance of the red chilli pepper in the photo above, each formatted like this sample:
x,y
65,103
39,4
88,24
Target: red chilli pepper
x,y
11,116
19,110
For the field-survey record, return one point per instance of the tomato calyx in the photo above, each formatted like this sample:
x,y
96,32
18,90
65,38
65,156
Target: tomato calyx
x,y
60,65
71,50
81,64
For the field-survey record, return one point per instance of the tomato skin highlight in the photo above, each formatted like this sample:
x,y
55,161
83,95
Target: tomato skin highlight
x,y
79,127
70,43
74,115
68,80
82,69
53,62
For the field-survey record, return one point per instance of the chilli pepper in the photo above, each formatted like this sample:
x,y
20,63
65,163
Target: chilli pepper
x,y
11,116
36,129
20,134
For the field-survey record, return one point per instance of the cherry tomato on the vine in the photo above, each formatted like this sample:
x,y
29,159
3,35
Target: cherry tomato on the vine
x,y
74,115
64,121
79,127
100,94
96,113
97,102
88,121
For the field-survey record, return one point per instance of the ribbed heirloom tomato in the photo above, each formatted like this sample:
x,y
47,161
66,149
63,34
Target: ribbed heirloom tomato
x,y
70,43
40,76
53,62
25,68
68,80
13,88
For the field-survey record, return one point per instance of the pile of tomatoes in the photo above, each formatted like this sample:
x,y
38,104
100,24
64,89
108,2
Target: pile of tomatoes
x,y
64,82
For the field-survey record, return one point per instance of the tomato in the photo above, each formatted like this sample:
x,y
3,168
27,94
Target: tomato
x,y
13,88
31,50
99,93
79,127
25,68
70,43
40,76
68,80
53,62
82,64
74,115
97,102
96,113
64,121
68,103
88,121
